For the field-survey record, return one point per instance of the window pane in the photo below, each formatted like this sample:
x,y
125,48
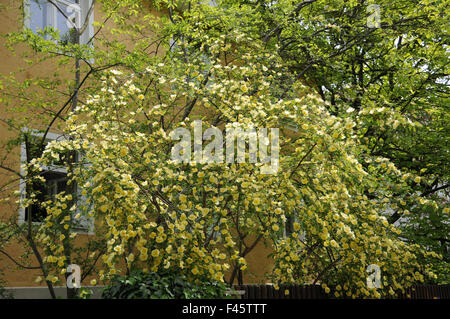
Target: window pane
x,y
38,213
67,21
38,15
55,183
61,186
55,178
34,146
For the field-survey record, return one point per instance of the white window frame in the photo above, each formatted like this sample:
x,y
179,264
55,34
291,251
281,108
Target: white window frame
x,y
88,222
52,16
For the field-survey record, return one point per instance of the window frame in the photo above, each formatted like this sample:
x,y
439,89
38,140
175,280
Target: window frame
x,y
88,228
52,11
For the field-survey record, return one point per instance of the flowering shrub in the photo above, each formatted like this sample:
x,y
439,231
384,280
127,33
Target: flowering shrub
x,y
198,219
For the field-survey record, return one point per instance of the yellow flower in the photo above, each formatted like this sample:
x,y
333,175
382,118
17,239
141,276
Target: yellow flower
x,y
155,252
118,249
123,151
333,243
143,257
275,227
93,282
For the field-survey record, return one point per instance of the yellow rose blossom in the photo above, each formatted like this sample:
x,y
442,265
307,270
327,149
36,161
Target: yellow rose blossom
x,y
155,252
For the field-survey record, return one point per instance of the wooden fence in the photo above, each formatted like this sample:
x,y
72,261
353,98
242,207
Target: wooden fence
x,y
316,292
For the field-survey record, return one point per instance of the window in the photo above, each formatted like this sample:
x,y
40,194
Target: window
x,y
55,182
288,229
63,15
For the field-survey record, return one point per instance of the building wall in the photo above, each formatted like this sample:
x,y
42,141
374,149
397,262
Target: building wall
x,y
11,20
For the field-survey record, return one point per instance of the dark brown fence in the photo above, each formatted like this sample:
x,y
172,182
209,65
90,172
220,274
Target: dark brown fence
x,y
316,292
427,292
269,292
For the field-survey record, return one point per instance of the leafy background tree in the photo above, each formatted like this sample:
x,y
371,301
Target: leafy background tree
x,y
392,79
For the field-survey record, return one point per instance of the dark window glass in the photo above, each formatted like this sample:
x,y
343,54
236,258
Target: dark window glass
x,y
55,183
55,180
